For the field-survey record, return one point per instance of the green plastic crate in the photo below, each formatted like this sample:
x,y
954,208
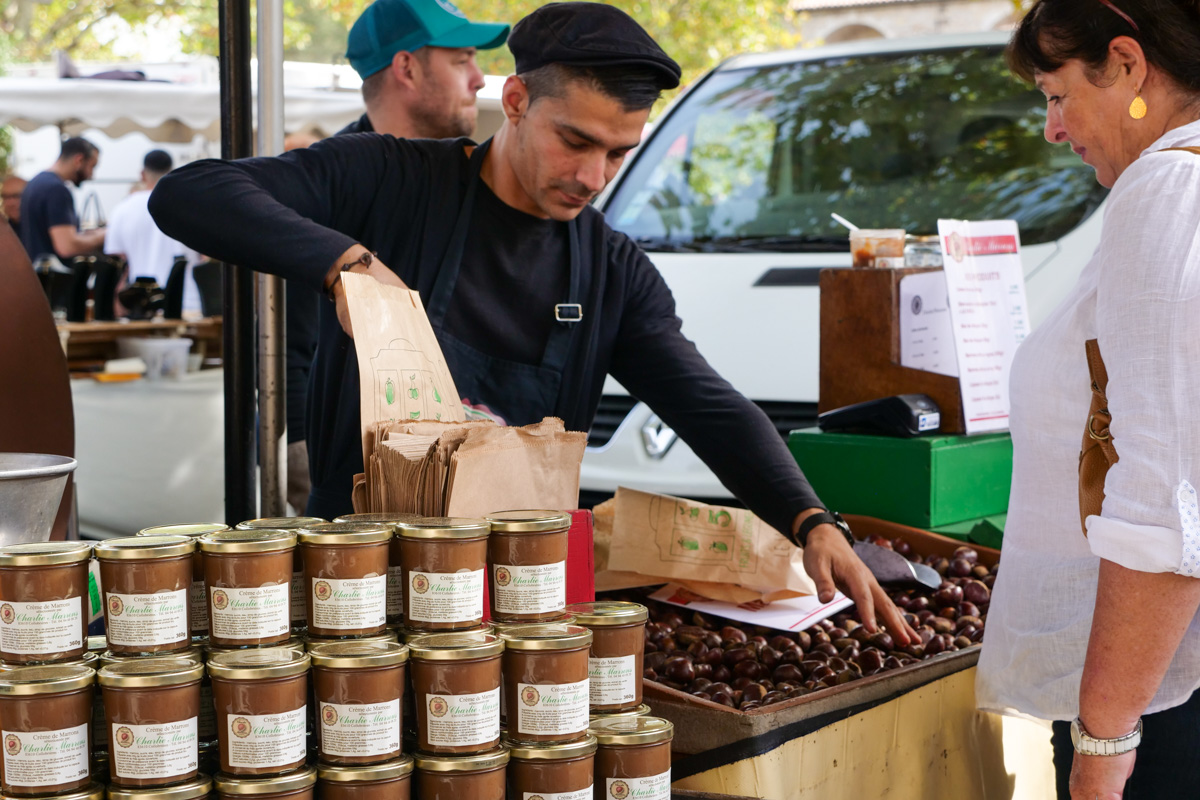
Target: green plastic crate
x,y
924,482
987,531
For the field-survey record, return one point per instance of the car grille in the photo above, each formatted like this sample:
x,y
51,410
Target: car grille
x,y
614,408
611,412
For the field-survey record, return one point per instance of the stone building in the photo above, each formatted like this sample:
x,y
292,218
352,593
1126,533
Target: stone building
x,y
832,21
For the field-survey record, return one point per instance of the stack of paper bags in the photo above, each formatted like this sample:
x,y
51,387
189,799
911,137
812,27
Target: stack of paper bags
x,y
721,553
470,469
419,455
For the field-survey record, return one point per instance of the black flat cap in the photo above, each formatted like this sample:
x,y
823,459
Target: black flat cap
x,y
587,35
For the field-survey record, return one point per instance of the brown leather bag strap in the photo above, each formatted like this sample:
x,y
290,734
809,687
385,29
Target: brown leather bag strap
x,y
1192,150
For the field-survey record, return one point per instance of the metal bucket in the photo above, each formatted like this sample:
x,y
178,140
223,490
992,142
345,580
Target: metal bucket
x,y
31,489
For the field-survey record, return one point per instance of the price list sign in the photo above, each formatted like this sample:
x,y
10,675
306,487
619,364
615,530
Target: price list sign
x,y
988,313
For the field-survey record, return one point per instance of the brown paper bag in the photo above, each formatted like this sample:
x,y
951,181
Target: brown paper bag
x,y
692,543
402,372
532,467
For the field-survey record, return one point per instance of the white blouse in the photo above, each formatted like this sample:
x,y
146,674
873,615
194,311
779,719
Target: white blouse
x,y
1140,297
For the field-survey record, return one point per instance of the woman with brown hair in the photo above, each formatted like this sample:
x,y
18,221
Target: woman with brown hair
x,y
1098,634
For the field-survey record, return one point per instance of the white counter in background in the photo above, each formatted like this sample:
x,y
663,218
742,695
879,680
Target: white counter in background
x,y
149,452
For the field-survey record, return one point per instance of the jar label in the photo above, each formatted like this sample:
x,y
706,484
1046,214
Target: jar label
x,y
612,680
251,613
46,758
297,608
55,626
140,620
395,592
349,603
539,589
655,787
198,613
155,751
462,720
267,740
445,596
582,794
552,709
360,730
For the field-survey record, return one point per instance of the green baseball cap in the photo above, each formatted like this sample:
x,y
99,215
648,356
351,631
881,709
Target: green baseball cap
x,y
389,26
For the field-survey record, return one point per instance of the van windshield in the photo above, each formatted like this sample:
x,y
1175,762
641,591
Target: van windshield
x,y
760,157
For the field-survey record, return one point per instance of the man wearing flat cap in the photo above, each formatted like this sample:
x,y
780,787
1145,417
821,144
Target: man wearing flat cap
x,y
533,298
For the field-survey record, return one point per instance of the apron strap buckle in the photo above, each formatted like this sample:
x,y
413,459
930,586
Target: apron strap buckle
x,y
568,312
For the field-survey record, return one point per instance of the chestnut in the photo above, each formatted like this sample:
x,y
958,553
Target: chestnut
x,y
774,697
968,609
753,692
679,669
649,674
788,672
849,653
741,683
845,641
941,625
781,642
976,592
703,670
672,620
883,640
960,568
793,655
700,684
819,637
730,632
737,654
719,686
948,596
968,554
827,648
902,547
724,698
654,660
837,632
749,705
870,659
721,673
697,649
980,571
749,669
804,639
891,662
667,644
962,642
712,639
964,621
689,634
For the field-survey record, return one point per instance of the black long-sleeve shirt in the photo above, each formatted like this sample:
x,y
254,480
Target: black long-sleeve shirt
x,y
296,214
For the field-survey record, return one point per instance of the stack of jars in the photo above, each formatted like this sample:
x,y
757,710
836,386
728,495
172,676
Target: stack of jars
x,y
257,652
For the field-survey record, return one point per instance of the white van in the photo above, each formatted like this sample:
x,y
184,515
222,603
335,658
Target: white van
x,y
730,195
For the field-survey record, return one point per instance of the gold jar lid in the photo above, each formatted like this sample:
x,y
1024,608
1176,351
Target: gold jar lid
x,y
25,681
444,528
349,655
608,612
261,664
302,778
313,642
44,554
193,652
93,791
293,643
145,673
142,547
195,789
480,761
538,636
504,626
631,730
193,530
89,659
278,523
255,541
380,518
407,635
551,751
388,770
97,644
344,533
455,646
528,521
637,711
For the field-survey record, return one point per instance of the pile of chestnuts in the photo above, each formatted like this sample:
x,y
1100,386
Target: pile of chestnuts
x,y
747,667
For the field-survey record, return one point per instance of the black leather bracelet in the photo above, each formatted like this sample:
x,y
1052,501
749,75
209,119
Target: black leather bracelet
x,y
821,518
365,260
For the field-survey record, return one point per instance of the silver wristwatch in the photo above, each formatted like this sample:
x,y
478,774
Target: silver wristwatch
x,y
1088,745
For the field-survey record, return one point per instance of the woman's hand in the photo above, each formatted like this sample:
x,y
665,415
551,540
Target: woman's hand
x,y
1100,777
832,564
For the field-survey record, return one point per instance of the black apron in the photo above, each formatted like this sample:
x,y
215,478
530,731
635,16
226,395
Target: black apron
x,y
520,393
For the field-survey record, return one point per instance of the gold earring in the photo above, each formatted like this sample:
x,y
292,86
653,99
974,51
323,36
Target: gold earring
x,y
1137,109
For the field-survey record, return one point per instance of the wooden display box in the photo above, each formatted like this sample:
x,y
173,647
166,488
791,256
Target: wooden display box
x,y
702,726
860,345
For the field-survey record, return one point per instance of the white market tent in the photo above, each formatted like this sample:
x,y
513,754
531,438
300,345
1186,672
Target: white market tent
x,y
164,112
169,112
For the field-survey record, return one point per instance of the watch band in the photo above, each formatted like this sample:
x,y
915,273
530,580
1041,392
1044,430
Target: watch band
x,y
821,518
1088,745
365,260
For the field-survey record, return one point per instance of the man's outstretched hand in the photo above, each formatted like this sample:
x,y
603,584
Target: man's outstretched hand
x,y
377,270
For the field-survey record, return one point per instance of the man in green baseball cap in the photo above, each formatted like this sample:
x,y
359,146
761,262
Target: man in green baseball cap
x,y
417,62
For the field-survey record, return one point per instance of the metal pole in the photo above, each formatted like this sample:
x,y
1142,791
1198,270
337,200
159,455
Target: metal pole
x,y
272,413
236,142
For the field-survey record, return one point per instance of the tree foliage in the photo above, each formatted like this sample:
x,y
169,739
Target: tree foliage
x,y
697,33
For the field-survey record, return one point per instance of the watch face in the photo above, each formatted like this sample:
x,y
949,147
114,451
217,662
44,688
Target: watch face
x,y
1075,734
